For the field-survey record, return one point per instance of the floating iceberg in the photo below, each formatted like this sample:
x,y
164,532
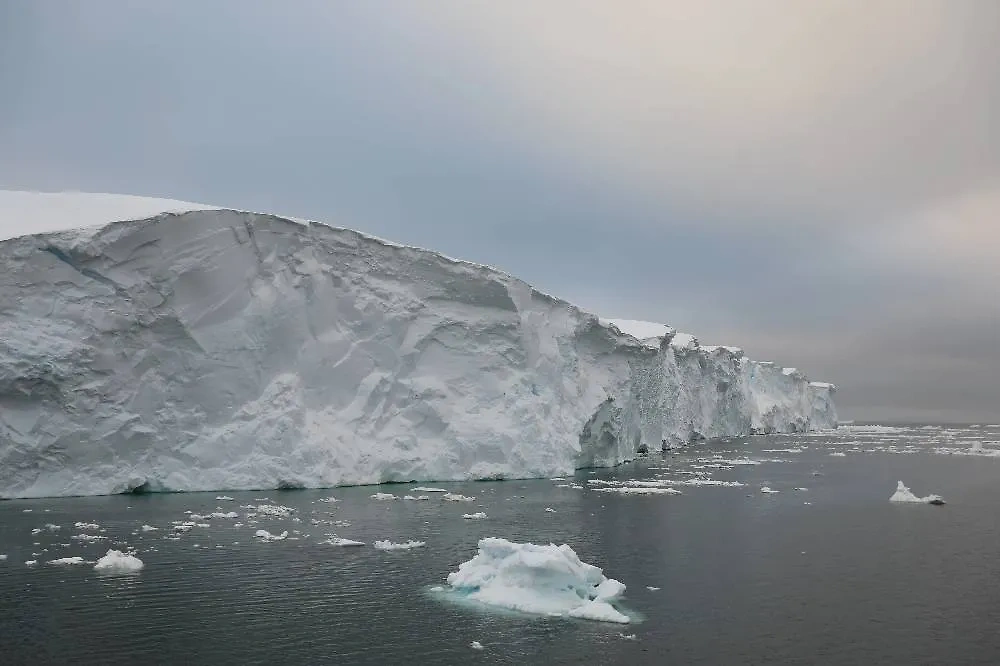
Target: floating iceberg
x,y
406,545
904,494
544,580
340,541
264,535
115,561
67,561
209,349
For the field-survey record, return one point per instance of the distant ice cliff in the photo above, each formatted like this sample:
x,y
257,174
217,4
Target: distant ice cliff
x,y
215,349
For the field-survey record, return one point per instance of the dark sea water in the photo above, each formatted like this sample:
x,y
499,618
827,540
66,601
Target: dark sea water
x,y
835,574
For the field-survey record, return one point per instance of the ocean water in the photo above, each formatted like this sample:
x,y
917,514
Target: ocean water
x,y
832,574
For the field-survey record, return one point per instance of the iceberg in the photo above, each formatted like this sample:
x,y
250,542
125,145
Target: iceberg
x,y
151,345
406,545
543,580
115,561
904,494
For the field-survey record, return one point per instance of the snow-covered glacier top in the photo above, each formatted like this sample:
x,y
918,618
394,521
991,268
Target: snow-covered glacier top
x,y
163,345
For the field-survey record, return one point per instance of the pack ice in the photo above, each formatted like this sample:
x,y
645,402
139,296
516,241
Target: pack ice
x,y
157,345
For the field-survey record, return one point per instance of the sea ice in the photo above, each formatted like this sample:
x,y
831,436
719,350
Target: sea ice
x,y
406,545
264,535
632,490
476,645
3,558
86,526
479,515
424,489
543,580
67,561
274,510
904,494
549,509
115,561
30,563
838,454
452,497
224,498
767,490
652,589
340,541
384,496
418,497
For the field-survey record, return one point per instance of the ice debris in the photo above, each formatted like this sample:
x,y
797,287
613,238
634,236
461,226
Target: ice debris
x,y
65,561
904,494
224,498
406,545
767,490
384,496
452,497
543,580
340,541
115,561
476,645
425,489
479,515
264,535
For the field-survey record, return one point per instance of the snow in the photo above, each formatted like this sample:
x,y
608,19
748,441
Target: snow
x,y
264,535
67,561
406,545
543,580
115,561
904,494
221,350
479,515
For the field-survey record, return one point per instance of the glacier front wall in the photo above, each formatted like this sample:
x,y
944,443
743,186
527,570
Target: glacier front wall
x,y
214,350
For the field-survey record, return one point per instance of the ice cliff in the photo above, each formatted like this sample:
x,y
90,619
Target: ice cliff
x,y
216,349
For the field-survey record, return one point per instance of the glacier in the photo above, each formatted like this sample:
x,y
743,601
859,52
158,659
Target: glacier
x,y
153,345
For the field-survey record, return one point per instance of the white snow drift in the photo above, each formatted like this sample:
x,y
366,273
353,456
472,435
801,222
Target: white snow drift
x,y
545,580
222,350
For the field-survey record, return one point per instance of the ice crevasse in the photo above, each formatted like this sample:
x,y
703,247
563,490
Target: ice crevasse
x,y
156,345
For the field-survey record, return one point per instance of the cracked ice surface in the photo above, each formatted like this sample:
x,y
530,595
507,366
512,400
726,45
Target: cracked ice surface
x,y
224,350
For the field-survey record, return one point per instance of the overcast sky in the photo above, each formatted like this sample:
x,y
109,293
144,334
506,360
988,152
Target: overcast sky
x,y
817,182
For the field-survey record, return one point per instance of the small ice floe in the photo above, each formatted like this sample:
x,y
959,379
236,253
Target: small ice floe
x,y
454,497
30,563
329,500
87,526
37,530
767,490
67,561
543,580
3,558
549,509
115,561
406,545
264,535
698,481
384,496
794,450
186,526
652,589
425,489
576,486
817,473
224,514
632,490
89,538
476,645
224,498
274,510
26,510
838,454
340,541
479,515
904,494
800,489
558,478
626,637
415,499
